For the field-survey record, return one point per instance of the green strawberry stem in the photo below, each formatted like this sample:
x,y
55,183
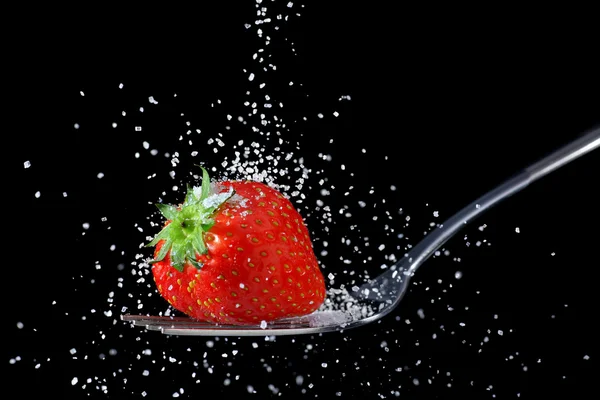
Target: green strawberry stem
x,y
184,234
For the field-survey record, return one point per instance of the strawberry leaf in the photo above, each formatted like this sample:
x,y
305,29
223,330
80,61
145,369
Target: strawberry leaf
x,y
206,227
167,210
162,235
195,263
164,250
178,256
190,197
205,183
196,241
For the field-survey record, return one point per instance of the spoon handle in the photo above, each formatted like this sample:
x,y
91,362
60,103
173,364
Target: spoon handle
x,y
564,155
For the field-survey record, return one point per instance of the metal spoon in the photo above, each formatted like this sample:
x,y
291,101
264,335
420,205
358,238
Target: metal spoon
x,y
378,297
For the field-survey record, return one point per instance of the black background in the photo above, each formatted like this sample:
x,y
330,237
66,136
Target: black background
x,y
445,104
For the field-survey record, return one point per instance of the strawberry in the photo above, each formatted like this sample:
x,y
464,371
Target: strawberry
x,y
236,252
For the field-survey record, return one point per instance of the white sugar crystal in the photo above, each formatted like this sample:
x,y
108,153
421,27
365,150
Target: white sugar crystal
x,y
518,230
20,325
251,77
138,128
263,324
38,194
100,175
458,274
27,164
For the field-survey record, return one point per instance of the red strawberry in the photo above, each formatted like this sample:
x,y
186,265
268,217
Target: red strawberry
x,y
236,252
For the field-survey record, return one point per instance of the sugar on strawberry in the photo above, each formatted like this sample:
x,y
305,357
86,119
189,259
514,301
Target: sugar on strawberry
x,y
236,252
